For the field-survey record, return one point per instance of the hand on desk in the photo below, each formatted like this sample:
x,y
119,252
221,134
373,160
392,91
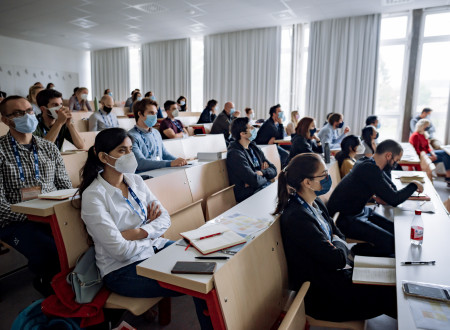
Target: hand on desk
x,y
178,162
419,186
265,165
153,211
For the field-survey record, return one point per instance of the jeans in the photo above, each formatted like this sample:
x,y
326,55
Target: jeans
x,y
443,157
284,156
372,228
126,282
35,241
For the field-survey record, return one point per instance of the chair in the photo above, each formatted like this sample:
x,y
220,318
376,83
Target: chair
x,y
220,202
427,165
333,170
4,129
118,111
88,138
75,242
272,155
188,218
174,147
348,240
74,162
352,325
295,317
126,123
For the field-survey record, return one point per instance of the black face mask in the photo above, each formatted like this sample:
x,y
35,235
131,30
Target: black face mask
x,y
107,109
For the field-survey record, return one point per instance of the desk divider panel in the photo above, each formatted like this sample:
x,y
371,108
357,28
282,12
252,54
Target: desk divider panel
x,y
272,155
74,162
88,138
175,147
188,218
126,123
333,171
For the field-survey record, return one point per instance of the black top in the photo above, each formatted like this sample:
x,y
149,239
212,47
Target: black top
x,y
356,188
242,170
221,125
269,130
42,130
301,145
206,116
309,254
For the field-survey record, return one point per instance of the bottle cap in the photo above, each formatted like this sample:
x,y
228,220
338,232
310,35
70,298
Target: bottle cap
x,y
418,212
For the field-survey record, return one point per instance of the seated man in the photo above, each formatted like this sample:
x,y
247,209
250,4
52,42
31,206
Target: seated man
x,y
29,165
272,130
248,168
351,195
171,128
329,133
373,120
147,145
431,130
129,100
55,121
221,124
103,118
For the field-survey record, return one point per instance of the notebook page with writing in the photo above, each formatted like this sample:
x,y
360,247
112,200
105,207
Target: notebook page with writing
x,y
374,262
380,276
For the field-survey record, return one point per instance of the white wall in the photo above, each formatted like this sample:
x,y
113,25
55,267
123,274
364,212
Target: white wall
x,y
25,58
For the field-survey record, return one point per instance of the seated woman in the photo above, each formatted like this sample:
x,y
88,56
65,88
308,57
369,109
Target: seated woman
x,y
209,113
123,217
136,97
181,102
316,250
368,136
32,93
350,146
305,138
290,128
78,101
248,168
420,142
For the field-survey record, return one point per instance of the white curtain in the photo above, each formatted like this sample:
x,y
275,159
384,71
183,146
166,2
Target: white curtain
x,y
110,69
342,69
166,70
297,68
243,67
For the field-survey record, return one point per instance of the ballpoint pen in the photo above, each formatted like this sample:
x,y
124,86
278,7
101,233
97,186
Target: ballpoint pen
x,y
415,263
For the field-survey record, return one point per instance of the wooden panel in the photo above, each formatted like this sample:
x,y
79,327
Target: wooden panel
x,y
188,218
335,177
126,123
272,155
188,120
4,129
295,318
254,301
220,202
189,114
174,147
172,190
118,111
74,162
78,115
81,125
204,143
88,138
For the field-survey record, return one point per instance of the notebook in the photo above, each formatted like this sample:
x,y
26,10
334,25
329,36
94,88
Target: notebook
x,y
419,197
58,194
374,270
410,178
212,238
193,267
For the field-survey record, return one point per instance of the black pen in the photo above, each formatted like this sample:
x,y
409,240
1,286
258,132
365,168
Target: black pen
x,y
413,263
213,258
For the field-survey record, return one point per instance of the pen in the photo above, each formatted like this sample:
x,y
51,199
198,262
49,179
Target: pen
x,y
413,263
213,258
210,236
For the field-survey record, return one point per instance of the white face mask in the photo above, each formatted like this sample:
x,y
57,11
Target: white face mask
x,y
125,164
175,113
53,111
252,116
360,149
84,96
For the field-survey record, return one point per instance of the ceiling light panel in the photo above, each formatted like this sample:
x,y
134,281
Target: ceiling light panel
x,y
150,7
83,23
395,2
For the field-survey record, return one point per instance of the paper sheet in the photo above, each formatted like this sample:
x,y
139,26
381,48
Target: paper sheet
x,y
242,224
430,314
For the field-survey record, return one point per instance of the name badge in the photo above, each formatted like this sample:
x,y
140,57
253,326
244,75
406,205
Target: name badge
x,y
30,193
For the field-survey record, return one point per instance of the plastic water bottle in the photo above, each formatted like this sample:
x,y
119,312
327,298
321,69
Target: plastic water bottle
x,y
417,229
326,152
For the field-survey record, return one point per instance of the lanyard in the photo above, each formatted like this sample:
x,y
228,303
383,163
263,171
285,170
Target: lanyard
x,y
255,159
108,125
155,143
19,162
138,201
322,224
177,125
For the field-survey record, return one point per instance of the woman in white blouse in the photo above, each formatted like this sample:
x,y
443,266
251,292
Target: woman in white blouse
x,y
124,218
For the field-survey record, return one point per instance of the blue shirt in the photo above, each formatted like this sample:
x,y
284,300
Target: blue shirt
x,y
331,136
101,120
149,149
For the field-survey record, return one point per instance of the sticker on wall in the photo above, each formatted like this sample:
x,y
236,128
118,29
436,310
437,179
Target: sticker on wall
x,y
42,73
49,77
18,74
56,74
9,72
70,76
1,69
34,75
26,71
64,78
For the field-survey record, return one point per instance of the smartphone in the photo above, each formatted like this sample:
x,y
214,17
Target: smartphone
x,y
419,290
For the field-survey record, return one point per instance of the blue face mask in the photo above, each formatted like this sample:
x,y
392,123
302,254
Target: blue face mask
x,y
232,110
26,124
312,132
151,120
182,103
326,185
281,116
139,98
110,94
378,126
153,98
253,136
341,125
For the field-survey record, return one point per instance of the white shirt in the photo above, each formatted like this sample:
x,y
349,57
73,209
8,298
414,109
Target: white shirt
x,y
106,213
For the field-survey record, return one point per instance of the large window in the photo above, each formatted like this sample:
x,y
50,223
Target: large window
x,y
197,67
285,70
433,81
135,68
391,77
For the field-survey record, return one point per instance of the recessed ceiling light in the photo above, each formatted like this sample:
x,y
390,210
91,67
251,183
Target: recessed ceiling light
x,y
134,37
86,45
197,27
284,15
83,23
150,8
395,2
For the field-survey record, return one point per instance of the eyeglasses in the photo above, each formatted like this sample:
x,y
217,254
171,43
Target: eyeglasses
x,y
320,176
20,113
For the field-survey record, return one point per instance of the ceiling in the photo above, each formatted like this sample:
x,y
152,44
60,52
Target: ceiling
x,y
99,24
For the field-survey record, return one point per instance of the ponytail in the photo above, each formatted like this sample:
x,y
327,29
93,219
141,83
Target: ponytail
x,y
349,142
90,170
283,193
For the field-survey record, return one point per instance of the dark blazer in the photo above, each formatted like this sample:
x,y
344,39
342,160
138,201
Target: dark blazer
x,y
206,116
301,145
221,125
241,170
269,130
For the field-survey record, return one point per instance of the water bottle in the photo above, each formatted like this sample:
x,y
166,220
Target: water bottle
x,y
326,152
417,229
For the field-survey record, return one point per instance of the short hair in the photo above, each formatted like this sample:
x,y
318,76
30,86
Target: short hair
x,y
6,100
211,103
140,106
389,146
237,126
180,98
168,104
329,114
427,110
303,126
247,110
106,91
273,109
44,97
334,118
146,94
104,97
371,120
49,84
422,123
3,94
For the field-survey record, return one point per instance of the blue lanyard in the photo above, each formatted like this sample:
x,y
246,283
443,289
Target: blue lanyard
x,y
255,159
145,140
177,125
19,162
108,125
138,201
308,208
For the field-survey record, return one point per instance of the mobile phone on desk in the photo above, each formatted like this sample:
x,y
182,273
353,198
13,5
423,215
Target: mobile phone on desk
x,y
426,291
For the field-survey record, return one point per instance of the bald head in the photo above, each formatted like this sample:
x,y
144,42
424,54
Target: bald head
x,y
107,100
228,106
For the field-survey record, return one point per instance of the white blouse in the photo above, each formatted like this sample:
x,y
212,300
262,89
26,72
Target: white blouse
x,y
106,213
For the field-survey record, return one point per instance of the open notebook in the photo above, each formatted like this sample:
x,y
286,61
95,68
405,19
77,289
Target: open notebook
x,y
58,194
212,238
374,270
416,196
410,178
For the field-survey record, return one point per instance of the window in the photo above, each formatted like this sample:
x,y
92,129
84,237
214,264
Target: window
x,y
391,75
304,70
135,68
197,67
286,70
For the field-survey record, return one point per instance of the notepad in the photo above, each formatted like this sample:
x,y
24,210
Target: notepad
x,y
193,267
212,238
374,270
58,194
419,197
410,178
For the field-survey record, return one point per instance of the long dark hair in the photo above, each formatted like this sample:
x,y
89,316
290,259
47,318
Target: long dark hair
x,y
211,104
105,141
366,136
300,167
348,144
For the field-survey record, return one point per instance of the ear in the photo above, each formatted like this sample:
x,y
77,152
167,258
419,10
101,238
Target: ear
x,y
307,182
102,157
43,109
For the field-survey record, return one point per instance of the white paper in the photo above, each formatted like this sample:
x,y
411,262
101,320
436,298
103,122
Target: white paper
x,y
429,314
242,224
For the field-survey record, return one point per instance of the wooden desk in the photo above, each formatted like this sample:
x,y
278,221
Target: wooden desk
x,y
410,157
286,141
202,286
435,247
